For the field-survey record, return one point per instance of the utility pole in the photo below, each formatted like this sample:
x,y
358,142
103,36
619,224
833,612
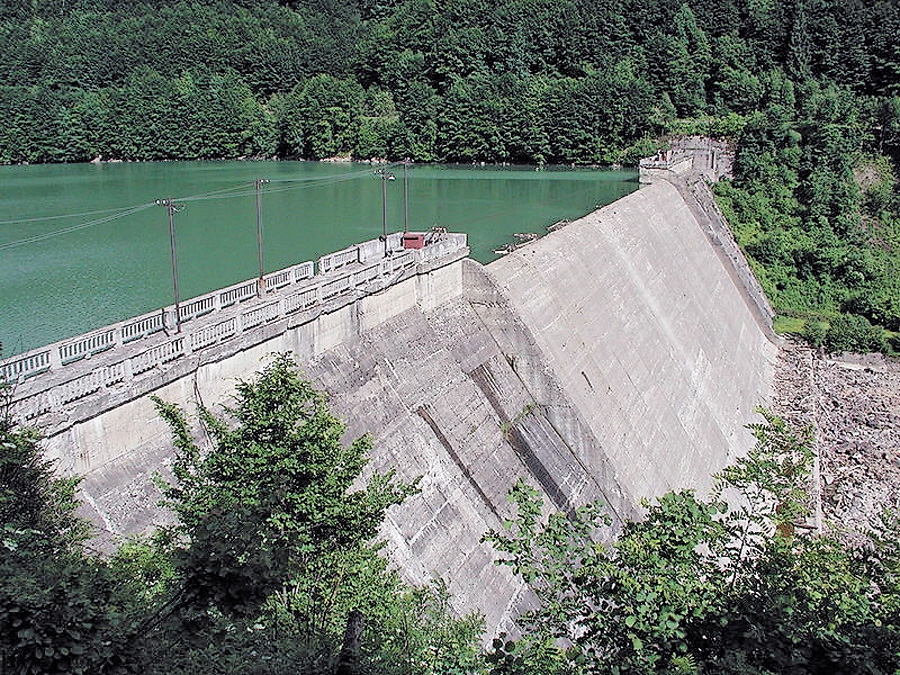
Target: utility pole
x,y
261,287
385,177
171,208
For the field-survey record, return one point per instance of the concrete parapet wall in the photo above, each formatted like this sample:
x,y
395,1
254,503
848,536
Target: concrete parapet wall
x,y
712,158
708,157
665,164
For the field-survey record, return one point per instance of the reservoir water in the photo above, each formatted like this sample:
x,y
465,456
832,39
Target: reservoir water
x,y
82,246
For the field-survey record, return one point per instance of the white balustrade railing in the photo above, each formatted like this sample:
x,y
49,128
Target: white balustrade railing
x,y
335,261
444,244
147,325
301,300
24,366
238,293
157,355
303,271
403,260
79,388
33,406
259,315
310,290
366,274
277,280
198,307
85,345
207,335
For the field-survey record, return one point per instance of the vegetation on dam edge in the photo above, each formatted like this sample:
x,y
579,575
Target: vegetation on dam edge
x,y
271,567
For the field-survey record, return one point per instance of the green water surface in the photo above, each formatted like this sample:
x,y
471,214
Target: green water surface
x,y
60,277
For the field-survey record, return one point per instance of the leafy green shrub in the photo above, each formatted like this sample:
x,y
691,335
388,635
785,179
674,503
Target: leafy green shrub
x,y
736,583
729,126
272,551
894,344
643,147
814,333
55,609
853,333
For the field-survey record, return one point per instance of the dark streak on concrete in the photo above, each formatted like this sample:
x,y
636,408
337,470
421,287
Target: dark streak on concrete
x,y
517,442
424,413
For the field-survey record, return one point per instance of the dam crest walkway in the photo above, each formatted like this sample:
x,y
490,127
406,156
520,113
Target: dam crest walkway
x,y
59,375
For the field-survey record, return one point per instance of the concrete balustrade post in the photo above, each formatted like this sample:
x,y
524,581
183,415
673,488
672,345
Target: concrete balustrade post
x,y
186,348
128,370
55,358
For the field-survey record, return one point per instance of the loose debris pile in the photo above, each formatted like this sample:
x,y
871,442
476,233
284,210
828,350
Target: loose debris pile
x,y
853,403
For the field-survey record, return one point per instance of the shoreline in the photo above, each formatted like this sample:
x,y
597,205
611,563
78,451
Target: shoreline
x,y
338,159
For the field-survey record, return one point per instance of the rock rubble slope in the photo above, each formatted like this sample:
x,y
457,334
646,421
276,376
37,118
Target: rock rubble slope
x,y
853,404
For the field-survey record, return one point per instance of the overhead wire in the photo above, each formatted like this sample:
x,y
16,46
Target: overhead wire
x,y
248,189
74,228
215,194
285,185
350,175
234,191
38,219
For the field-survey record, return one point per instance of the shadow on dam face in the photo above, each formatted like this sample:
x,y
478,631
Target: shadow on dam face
x,y
613,359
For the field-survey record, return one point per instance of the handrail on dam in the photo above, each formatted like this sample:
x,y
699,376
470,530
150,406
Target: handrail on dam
x,y
151,340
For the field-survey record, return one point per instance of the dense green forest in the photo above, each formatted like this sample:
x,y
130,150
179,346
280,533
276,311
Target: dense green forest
x,y
271,557
270,567
815,206
429,80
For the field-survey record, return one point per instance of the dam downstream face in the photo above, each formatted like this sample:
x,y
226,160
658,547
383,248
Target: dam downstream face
x,y
614,359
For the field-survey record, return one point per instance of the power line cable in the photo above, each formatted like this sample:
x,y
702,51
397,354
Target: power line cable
x,y
301,184
22,221
198,197
215,193
73,228
248,188
348,175
288,186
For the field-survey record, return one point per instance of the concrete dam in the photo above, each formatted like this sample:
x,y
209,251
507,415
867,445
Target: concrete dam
x,y
615,358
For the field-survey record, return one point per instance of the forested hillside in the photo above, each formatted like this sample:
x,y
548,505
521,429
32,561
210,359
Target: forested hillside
x,y
492,80
810,89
